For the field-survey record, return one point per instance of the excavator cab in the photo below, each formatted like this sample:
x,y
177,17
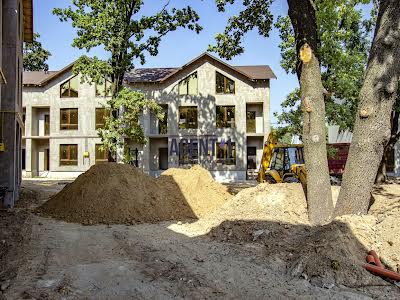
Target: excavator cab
x,y
282,163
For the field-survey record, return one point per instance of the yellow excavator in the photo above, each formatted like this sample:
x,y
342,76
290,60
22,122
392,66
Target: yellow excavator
x,y
282,162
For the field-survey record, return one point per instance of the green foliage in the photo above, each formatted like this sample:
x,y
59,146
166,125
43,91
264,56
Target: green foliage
x,y
35,56
255,15
292,114
344,47
127,125
282,135
332,152
121,29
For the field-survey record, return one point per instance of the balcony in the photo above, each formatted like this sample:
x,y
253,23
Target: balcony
x,y
254,119
40,121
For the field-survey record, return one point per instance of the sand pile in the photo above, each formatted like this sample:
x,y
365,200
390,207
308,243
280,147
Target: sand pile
x,y
334,254
284,202
197,186
116,194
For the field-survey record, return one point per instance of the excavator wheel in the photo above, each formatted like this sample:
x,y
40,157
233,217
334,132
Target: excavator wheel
x,y
269,179
291,180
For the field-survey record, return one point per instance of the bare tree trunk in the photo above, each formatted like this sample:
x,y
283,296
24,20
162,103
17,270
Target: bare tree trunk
x,y
372,125
319,196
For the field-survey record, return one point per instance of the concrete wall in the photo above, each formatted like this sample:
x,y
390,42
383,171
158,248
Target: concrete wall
x,y
247,93
11,99
40,101
250,94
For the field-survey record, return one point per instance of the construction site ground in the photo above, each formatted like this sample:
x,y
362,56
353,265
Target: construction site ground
x,y
46,258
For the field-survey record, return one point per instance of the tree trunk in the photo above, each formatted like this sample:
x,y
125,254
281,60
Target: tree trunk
x,y
372,125
319,195
381,177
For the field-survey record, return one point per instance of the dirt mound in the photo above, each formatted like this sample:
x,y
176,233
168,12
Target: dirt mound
x,y
334,254
116,194
281,202
197,186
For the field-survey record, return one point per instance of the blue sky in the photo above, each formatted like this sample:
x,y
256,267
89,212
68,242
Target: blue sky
x,y
178,47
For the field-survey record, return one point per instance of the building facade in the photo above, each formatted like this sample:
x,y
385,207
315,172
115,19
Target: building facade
x,y
16,23
60,138
216,115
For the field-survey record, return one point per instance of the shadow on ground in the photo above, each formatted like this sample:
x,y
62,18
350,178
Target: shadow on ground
x,y
233,260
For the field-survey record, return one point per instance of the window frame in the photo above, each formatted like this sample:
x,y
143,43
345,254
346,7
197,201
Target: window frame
x,y
104,118
184,151
187,79
226,78
69,88
69,146
249,125
179,117
106,83
69,125
225,120
100,160
163,124
225,160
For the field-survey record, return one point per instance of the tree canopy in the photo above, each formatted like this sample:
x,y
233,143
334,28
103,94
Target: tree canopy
x,y
35,56
127,36
345,38
344,41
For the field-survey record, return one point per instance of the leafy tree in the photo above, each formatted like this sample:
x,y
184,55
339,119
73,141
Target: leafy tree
x,y
128,122
374,113
121,29
343,51
302,13
35,56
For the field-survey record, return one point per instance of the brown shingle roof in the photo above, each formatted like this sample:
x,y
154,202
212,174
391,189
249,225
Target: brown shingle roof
x,y
36,77
257,72
148,74
162,74
154,75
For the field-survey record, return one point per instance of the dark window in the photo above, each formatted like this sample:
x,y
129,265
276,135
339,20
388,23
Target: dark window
x,y
184,154
68,118
251,121
187,117
251,158
226,154
101,156
23,121
23,159
101,114
46,124
188,86
104,89
163,124
68,155
69,89
163,158
225,116
224,85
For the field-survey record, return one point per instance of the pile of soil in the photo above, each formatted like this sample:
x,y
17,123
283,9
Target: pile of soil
x,y
118,194
329,255
279,202
196,185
